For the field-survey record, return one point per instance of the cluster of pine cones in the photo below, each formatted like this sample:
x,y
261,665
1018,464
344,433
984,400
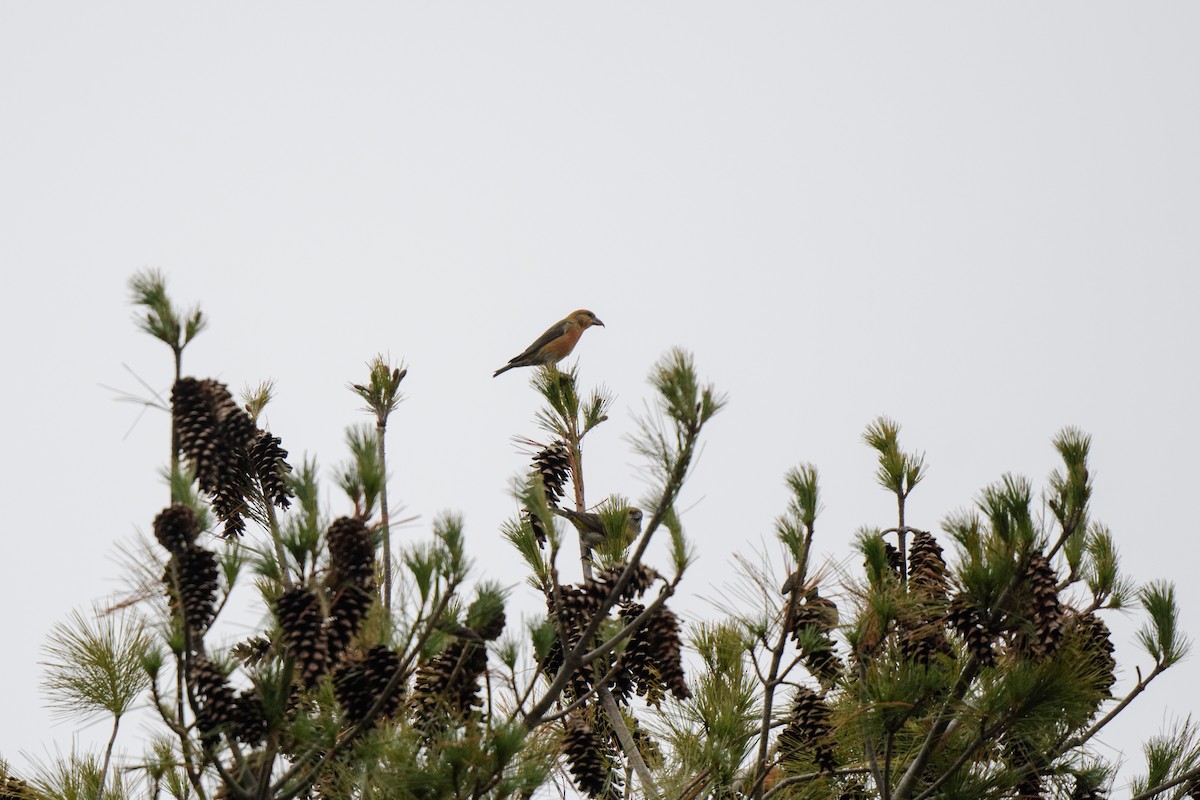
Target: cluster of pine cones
x,y
650,665
447,685
1037,627
191,571
191,578
652,661
236,463
319,622
229,453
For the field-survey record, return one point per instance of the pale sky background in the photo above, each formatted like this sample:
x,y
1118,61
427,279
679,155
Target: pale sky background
x,y
980,219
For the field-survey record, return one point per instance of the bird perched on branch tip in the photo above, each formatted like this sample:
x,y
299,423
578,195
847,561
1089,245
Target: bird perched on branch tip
x,y
591,525
556,343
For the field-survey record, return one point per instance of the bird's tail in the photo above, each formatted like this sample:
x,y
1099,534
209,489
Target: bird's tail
x,y
505,368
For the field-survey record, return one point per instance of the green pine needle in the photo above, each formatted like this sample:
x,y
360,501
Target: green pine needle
x,y
96,664
1161,635
382,389
159,316
448,530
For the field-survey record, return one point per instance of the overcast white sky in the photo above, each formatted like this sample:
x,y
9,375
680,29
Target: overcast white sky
x,y
980,219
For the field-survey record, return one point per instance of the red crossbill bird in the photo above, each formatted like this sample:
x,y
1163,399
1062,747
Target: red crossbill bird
x,y
591,526
556,343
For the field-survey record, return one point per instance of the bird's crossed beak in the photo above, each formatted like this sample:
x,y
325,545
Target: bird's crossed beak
x,y
596,321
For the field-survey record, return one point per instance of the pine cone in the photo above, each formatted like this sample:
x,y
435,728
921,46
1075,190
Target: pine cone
x,y
808,731
13,788
652,662
968,621
927,568
893,558
217,705
921,626
1095,641
638,673
662,632
195,570
590,764
357,684
271,468
640,580
539,531
553,463
577,605
920,640
299,613
580,682
382,663
449,682
351,553
248,724
1042,608
353,690
491,630
824,663
176,527
816,612
346,613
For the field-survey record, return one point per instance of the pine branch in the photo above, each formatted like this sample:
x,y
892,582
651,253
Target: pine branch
x,y
1187,777
1140,687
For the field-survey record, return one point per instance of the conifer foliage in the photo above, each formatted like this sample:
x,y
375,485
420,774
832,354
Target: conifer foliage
x,y
971,660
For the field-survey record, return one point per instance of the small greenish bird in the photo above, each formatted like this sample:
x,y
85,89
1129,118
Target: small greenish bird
x,y
591,525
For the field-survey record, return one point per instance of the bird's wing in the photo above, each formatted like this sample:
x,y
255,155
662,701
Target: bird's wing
x,y
583,521
553,332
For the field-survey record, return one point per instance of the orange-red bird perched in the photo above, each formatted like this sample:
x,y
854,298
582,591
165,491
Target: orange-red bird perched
x,y
556,343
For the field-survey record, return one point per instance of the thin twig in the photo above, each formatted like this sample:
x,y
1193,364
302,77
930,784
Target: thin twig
x,y
812,776
582,699
276,537
384,511
107,758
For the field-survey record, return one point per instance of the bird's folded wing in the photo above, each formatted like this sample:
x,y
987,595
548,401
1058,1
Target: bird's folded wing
x,y
553,332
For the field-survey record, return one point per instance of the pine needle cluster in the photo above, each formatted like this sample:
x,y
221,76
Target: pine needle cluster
x,y
968,660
